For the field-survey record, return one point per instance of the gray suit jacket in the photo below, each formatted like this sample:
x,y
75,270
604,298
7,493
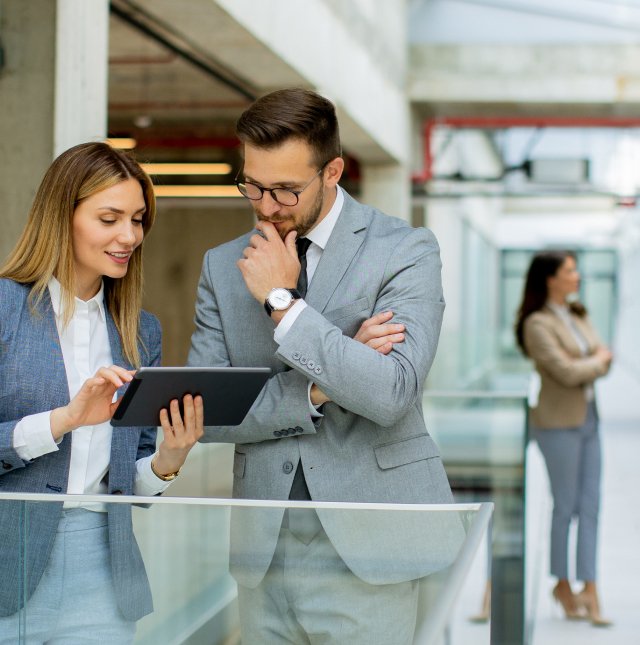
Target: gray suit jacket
x,y
371,445
32,380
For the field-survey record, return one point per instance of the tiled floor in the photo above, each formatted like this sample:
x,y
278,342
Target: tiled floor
x,y
619,548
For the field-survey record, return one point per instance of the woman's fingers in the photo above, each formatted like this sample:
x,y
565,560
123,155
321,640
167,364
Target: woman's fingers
x,y
164,421
176,418
187,427
193,416
198,405
118,376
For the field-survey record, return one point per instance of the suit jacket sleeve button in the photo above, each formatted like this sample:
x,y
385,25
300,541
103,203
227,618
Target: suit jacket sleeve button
x,y
277,433
311,364
299,429
296,355
318,370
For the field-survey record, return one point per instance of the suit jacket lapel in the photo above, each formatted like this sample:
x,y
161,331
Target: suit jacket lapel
x,y
587,332
568,339
341,248
52,353
57,390
115,343
120,437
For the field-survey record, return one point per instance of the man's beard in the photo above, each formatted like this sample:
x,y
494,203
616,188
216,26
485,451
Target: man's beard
x,y
306,222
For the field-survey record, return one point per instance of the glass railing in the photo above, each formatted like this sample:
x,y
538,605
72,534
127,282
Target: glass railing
x,y
482,437
190,545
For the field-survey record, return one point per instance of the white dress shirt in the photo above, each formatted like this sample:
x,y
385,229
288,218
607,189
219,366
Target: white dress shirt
x,y
319,236
85,349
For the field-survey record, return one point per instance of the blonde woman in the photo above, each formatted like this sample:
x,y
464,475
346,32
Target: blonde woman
x,y
72,332
556,334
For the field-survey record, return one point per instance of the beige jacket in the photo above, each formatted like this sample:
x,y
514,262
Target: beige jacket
x,y
564,371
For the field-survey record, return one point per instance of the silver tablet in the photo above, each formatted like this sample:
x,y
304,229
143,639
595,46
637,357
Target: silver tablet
x,y
228,393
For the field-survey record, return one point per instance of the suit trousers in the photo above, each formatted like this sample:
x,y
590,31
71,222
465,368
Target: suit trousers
x,y
74,603
309,595
573,460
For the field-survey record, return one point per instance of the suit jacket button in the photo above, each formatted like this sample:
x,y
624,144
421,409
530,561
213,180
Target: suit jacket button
x,y
318,370
287,467
303,360
6,465
296,356
299,429
277,433
311,364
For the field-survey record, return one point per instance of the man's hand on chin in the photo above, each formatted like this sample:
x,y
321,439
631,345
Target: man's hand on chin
x,y
269,262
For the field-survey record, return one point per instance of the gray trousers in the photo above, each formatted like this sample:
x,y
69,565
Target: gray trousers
x,y
573,462
75,601
309,596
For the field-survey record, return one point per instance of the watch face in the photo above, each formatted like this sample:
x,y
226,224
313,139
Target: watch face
x,y
279,298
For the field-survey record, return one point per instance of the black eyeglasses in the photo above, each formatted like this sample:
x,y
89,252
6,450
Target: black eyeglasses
x,y
284,196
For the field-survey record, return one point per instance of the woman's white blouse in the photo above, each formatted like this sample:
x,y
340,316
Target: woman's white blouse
x,y
85,349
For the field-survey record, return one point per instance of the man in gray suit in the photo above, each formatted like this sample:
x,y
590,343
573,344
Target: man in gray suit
x,y
310,293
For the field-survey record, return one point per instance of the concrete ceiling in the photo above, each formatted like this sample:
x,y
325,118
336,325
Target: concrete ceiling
x,y
180,74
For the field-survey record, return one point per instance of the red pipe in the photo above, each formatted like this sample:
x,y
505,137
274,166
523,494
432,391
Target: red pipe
x,y
497,123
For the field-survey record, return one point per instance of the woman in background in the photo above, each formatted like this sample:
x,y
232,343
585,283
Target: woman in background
x,y
72,332
556,334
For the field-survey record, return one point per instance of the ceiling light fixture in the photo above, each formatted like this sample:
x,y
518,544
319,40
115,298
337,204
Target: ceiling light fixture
x,y
187,168
197,191
122,143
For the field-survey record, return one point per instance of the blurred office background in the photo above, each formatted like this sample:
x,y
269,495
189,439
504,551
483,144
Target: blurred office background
x,y
506,126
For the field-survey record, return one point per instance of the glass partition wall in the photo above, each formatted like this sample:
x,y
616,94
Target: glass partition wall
x,y
185,545
482,437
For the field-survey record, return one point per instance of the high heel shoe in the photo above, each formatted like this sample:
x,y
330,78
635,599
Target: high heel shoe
x,y
589,602
565,598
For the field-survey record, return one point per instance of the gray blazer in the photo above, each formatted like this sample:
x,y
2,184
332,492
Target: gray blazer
x,y
32,380
371,445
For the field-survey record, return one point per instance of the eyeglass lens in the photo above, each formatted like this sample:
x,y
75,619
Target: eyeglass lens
x,y
282,196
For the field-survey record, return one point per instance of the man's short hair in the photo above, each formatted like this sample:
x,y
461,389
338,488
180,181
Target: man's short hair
x,y
293,113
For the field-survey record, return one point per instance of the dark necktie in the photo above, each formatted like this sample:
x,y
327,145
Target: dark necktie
x,y
302,244
299,490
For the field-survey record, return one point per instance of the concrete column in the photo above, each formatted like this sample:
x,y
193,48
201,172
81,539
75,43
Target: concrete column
x,y
82,57
53,93
387,187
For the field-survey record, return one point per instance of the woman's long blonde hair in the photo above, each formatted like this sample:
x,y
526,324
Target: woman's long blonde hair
x,y
45,248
